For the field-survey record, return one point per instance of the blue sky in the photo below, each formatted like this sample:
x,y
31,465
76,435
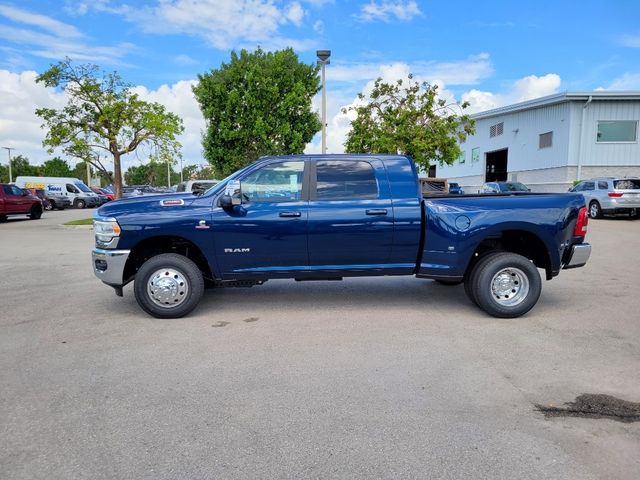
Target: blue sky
x,y
489,53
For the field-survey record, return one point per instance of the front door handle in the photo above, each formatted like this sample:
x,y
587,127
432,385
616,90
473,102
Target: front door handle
x,y
290,214
377,211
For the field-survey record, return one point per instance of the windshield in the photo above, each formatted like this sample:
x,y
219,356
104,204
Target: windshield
x,y
82,187
627,184
514,187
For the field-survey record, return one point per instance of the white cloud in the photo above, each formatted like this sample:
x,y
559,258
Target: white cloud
x,y
179,99
469,71
318,27
388,10
628,81
224,24
526,88
55,40
631,41
49,24
295,14
20,95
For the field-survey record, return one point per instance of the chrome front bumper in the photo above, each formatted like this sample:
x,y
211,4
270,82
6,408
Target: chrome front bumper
x,y
579,256
108,265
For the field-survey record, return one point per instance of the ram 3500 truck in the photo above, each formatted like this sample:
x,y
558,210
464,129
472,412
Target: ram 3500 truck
x,y
325,217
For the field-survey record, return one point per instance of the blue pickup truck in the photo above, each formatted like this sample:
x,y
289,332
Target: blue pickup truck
x,y
325,217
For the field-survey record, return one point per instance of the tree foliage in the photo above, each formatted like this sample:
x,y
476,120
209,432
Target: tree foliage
x,y
103,114
56,167
409,118
257,104
19,166
153,173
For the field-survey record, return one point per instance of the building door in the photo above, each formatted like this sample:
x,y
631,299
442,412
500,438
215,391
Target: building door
x,y
496,170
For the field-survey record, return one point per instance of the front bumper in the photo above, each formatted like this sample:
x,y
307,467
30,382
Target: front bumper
x,y
108,265
579,256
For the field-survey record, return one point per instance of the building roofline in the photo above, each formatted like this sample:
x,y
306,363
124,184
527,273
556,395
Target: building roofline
x,y
560,98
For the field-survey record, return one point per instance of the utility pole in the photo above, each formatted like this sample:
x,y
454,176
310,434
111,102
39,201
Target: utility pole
x,y
8,149
323,59
88,174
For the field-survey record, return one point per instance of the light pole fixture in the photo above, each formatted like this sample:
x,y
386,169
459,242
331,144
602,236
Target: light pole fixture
x,y
323,59
8,149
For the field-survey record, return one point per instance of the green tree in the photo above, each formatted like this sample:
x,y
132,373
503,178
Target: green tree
x,y
410,119
103,114
20,166
137,175
257,104
56,167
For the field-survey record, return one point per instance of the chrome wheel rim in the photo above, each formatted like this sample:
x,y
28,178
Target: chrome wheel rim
x,y
168,288
509,287
593,210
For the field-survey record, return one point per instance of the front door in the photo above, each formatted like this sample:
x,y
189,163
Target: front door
x,y
15,201
350,216
267,233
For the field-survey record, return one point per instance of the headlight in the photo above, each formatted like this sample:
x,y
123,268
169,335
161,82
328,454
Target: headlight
x,y
106,229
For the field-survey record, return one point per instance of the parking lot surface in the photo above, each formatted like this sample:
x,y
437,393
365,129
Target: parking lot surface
x,y
366,378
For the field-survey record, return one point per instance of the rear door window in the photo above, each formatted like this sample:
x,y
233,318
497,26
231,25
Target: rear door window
x,y
345,180
627,184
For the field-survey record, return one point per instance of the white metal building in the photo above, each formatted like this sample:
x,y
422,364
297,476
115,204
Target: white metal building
x,y
549,142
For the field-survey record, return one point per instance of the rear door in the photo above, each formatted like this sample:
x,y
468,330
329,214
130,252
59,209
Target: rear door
x,y
350,215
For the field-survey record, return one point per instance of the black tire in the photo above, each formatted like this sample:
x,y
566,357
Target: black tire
x,y
449,283
79,204
185,271
469,279
3,218
595,211
50,206
520,284
36,212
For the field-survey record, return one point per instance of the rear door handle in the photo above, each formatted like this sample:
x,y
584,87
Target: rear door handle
x,y
290,214
377,211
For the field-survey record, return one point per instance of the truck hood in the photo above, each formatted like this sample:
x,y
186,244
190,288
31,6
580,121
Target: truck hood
x,y
141,203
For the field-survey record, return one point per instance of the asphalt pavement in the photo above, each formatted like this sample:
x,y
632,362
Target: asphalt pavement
x,y
365,378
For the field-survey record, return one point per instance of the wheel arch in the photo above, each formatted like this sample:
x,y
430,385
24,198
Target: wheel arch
x,y
152,246
515,240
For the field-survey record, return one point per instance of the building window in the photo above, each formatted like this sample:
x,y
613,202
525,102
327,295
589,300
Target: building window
x,y
475,155
496,130
463,157
617,131
545,140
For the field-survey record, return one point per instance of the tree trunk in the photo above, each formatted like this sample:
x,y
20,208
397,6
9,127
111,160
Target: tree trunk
x,y
117,174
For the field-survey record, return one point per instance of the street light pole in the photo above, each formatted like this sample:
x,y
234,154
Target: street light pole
x,y
323,59
8,149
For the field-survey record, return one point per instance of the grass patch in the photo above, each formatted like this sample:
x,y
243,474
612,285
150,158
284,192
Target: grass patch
x,y
84,221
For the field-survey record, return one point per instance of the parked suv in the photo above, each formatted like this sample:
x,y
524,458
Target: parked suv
x,y
610,195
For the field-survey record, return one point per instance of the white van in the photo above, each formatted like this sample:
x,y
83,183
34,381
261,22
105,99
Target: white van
x,y
74,189
196,185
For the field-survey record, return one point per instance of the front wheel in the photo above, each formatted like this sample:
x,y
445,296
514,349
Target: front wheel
x,y
168,286
50,206
506,285
595,211
36,212
80,204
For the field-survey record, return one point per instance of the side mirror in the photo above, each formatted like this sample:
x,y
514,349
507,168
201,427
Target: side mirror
x,y
232,195
226,202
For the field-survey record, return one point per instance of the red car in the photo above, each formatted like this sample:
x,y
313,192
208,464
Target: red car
x,y
100,191
16,201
